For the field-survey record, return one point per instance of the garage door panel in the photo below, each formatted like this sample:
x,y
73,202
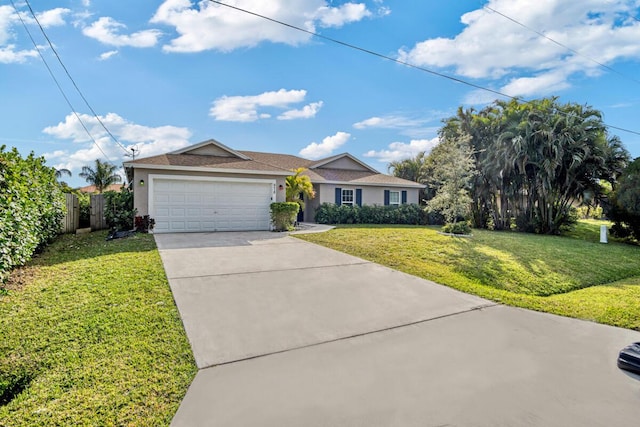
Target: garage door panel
x,y
192,205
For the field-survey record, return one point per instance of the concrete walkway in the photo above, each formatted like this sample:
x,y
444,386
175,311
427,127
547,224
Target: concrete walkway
x,y
287,333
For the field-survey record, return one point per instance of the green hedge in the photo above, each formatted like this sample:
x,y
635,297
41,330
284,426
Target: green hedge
x,y
283,215
412,214
31,208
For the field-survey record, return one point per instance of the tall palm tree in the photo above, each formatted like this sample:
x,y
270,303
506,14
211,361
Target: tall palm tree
x,y
102,176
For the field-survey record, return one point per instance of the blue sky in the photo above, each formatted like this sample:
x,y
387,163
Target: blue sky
x,y
164,74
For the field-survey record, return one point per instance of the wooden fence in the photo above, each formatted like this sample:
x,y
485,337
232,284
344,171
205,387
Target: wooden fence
x,y
71,221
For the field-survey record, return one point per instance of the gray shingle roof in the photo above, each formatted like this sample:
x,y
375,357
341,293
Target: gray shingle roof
x,y
272,162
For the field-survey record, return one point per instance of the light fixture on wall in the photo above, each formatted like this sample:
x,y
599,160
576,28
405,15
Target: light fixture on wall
x,y
142,182
280,187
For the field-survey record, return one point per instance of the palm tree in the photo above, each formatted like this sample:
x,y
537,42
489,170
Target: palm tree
x,y
102,176
297,185
412,169
62,172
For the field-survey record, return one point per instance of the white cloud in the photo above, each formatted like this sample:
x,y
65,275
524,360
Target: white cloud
x,y
9,52
53,17
7,17
344,14
492,47
106,55
245,108
414,125
209,26
389,122
148,140
401,150
106,30
326,147
306,112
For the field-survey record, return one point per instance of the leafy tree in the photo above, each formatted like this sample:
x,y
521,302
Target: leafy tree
x,y
297,185
453,173
625,209
102,176
119,212
535,160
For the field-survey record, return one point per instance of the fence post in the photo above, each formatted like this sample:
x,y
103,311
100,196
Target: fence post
x,y
71,220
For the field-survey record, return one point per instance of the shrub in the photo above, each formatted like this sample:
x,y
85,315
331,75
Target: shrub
x,y
118,211
461,227
589,212
329,213
31,208
283,215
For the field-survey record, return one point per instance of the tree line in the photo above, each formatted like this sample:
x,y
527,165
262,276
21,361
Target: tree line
x,y
528,163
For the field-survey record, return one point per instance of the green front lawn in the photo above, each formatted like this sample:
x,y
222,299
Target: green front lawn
x,y
91,336
572,275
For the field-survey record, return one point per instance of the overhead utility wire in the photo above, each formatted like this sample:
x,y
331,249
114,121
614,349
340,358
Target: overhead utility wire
x,y
57,83
72,80
361,49
541,34
398,61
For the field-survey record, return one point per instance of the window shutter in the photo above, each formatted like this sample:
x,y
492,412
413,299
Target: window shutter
x,y
404,197
359,196
386,197
338,196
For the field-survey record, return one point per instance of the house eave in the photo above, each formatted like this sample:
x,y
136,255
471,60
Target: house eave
x,y
370,184
205,169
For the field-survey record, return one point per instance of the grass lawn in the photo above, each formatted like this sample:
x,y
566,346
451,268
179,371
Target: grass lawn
x,y
571,275
91,336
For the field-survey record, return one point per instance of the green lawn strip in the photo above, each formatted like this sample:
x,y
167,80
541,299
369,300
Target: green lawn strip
x,y
570,276
95,335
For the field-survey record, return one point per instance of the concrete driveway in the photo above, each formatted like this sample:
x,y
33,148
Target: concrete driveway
x,y
287,333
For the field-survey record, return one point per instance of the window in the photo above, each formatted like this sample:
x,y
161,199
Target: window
x,y
394,198
347,197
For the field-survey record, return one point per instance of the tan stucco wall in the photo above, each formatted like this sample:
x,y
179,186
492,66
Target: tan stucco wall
x,y
141,193
326,193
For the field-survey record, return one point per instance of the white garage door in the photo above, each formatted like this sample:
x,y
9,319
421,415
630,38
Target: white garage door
x,y
191,205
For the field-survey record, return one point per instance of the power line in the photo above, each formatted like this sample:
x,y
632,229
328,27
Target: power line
x,y
541,34
53,49
57,83
398,61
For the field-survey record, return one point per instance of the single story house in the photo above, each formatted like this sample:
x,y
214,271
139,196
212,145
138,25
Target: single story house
x,y
211,187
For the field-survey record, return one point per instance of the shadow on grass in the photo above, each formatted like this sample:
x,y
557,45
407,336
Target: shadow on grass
x,y
72,247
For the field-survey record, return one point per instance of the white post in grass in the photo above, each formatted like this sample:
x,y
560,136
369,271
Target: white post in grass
x,y
603,234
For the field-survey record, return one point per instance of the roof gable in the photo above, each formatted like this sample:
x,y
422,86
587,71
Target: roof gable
x,y
211,147
344,161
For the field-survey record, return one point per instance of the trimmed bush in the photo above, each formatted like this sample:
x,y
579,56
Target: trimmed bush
x,y
283,215
461,227
31,208
411,214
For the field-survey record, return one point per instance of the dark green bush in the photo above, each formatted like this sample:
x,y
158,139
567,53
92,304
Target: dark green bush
x,y
31,208
283,215
118,210
329,213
